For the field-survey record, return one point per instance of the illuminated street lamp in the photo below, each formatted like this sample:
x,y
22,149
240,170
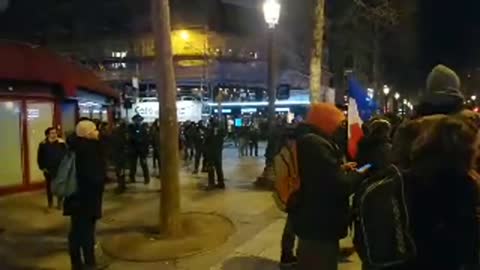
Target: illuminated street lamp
x,y
386,90
473,97
271,12
397,96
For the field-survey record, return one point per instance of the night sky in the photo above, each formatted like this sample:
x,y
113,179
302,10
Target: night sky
x,y
449,33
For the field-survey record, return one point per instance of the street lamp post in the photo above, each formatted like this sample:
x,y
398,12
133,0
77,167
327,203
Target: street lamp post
x,y
397,97
386,91
271,12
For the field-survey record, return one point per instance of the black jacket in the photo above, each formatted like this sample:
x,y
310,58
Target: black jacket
x,y
50,155
91,178
322,209
119,144
214,142
443,221
139,139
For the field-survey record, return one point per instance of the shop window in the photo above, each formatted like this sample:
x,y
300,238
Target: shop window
x,y
40,117
11,172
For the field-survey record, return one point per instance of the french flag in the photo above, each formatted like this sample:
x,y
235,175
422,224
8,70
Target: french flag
x,y
360,109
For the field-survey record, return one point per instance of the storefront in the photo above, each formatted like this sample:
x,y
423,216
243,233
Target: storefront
x,y
39,89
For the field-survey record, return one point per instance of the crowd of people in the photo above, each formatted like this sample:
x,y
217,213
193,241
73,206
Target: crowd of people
x,y
435,152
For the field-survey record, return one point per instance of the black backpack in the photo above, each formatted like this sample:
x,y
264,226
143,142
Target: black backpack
x,y
381,220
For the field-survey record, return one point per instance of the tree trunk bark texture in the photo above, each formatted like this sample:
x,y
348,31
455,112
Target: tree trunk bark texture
x,y
317,53
170,220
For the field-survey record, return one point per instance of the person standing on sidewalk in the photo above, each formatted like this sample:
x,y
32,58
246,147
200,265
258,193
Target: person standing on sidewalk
x,y
199,141
139,142
214,143
119,152
320,214
253,136
85,206
50,153
155,141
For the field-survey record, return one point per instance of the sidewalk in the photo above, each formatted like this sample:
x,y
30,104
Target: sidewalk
x,y
36,239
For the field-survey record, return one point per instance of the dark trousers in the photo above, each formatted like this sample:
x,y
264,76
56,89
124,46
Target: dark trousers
x,y
215,166
120,174
288,239
81,240
314,255
48,187
143,163
156,159
199,154
254,146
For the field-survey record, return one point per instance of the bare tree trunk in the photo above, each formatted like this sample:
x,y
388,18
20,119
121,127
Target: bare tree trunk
x,y
317,52
170,222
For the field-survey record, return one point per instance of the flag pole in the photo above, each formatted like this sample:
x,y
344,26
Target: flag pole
x,y
347,74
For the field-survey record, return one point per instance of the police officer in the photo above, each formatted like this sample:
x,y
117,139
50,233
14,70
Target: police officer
x,y
214,148
139,143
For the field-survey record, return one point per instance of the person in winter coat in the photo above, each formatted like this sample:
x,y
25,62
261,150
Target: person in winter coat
x,y
139,143
436,150
119,154
374,148
254,136
85,206
50,153
443,96
214,143
320,214
443,196
199,142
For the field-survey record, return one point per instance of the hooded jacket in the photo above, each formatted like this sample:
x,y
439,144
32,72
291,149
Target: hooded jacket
x,y
321,212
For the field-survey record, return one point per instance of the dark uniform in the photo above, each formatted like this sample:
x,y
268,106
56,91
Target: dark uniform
x,y
50,154
139,143
214,145
119,153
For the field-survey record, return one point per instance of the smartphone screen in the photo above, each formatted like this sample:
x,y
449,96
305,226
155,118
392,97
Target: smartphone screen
x,y
364,168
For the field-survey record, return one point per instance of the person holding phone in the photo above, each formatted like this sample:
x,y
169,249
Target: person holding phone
x,y
374,149
320,215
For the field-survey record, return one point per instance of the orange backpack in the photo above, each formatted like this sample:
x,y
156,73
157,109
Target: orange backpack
x,y
287,179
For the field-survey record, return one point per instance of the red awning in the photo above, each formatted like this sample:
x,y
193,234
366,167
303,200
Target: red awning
x,y
24,62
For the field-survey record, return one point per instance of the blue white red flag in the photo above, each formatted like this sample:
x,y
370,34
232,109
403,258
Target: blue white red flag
x,y
361,108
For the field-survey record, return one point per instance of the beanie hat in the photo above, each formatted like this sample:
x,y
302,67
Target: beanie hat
x,y
443,80
86,129
379,127
443,92
326,117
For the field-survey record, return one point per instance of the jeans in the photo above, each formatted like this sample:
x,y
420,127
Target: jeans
x,y
143,163
315,255
81,240
288,239
48,187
